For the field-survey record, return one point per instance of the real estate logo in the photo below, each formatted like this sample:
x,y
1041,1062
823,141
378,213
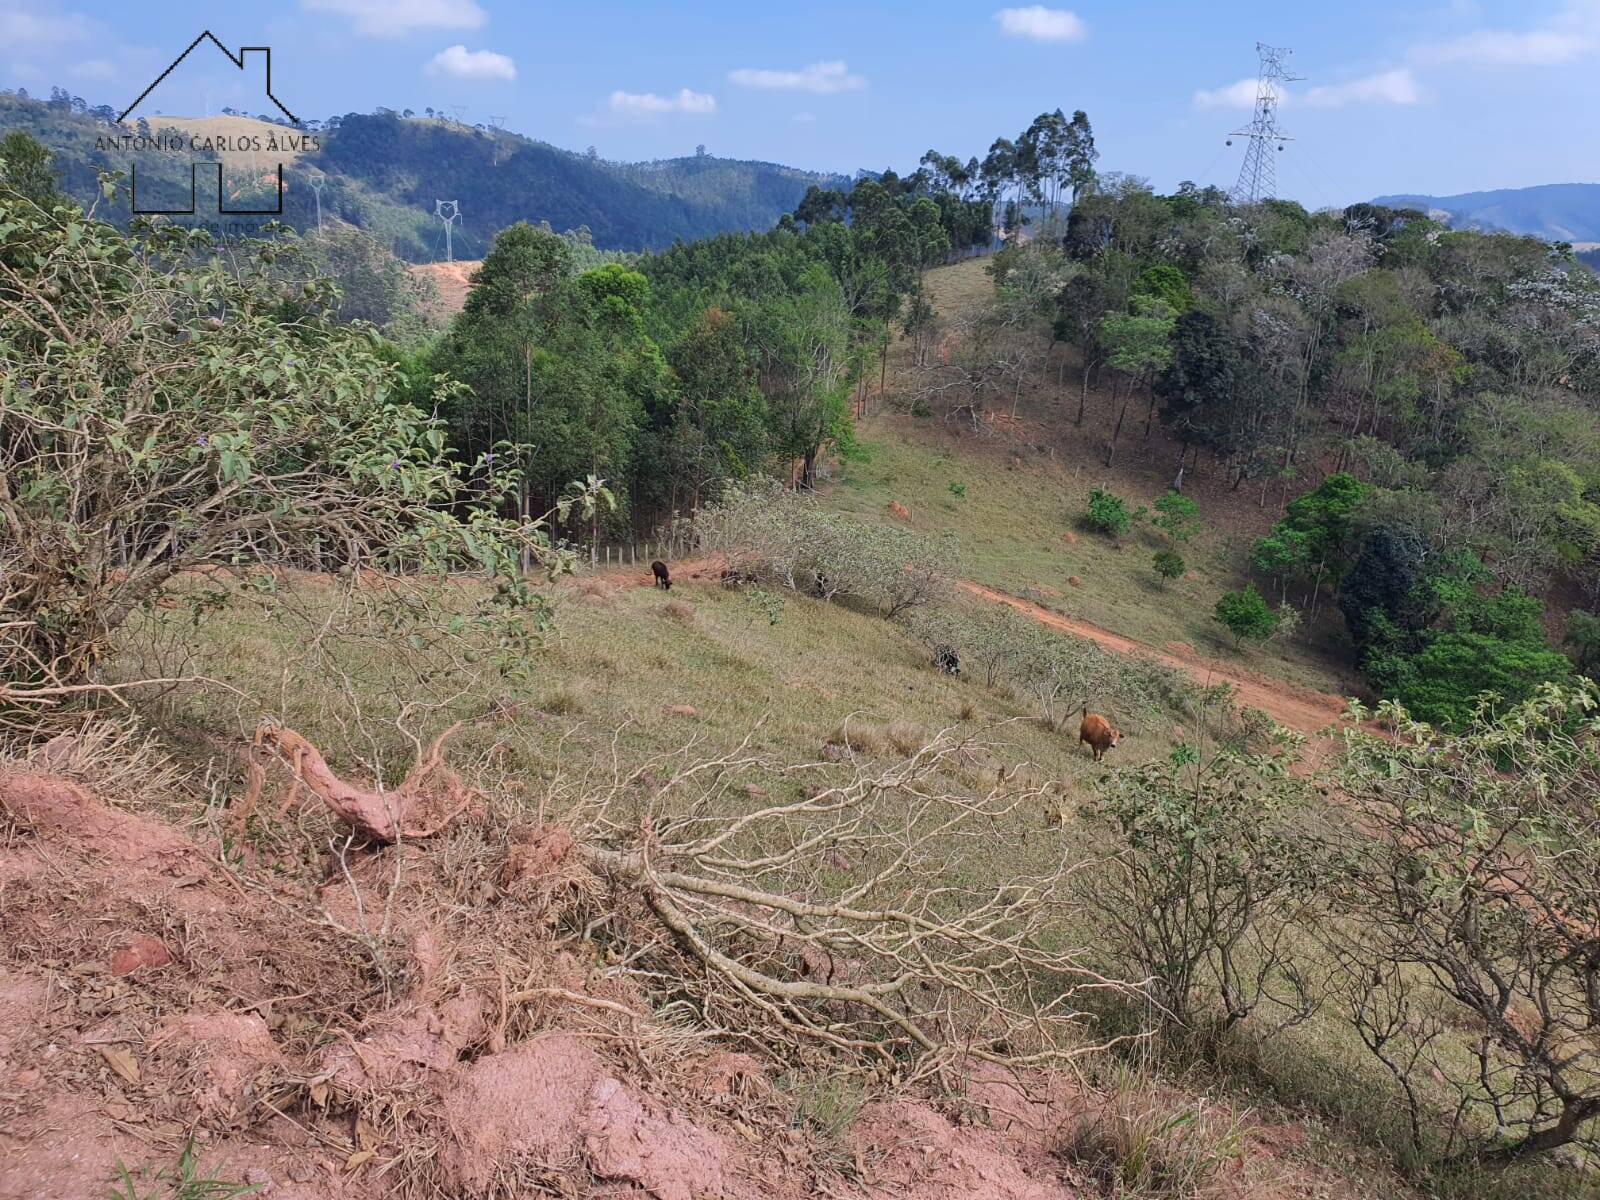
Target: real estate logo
x,y
171,141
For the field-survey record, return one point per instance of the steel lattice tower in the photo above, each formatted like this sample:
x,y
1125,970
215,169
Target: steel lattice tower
x,y
1258,174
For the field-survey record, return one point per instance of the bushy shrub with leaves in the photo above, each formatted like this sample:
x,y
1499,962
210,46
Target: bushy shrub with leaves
x,y
1169,564
163,410
1200,876
1177,516
1462,895
1246,615
1108,513
766,530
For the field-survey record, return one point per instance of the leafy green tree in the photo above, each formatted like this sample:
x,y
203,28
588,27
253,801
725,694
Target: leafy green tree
x,y
1379,595
26,170
716,428
1108,513
1177,516
1283,554
1246,615
1481,645
1138,345
1169,565
1582,640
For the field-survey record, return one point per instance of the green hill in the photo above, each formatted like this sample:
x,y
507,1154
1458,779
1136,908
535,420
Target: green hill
x,y
385,171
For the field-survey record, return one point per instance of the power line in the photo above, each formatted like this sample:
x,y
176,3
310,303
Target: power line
x,y
448,211
1258,174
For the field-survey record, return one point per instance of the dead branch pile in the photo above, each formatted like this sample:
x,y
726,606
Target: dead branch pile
x,y
846,913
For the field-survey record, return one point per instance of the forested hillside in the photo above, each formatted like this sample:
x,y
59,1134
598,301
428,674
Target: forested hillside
x,y
385,170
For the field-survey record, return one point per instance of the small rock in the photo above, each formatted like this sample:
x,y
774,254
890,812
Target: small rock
x,y
899,511
1074,581
1070,538
139,951
679,710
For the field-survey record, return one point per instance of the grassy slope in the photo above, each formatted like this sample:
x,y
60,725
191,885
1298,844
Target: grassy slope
x,y
624,655
1026,483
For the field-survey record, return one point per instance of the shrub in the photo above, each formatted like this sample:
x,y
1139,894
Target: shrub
x,y
1177,516
1197,874
1246,615
177,412
1057,672
1461,894
1169,564
1108,513
1475,644
768,531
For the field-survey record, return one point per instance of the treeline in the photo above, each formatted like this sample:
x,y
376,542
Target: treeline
x,y
705,364
1443,386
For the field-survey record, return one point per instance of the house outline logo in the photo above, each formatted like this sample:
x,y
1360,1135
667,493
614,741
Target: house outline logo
x,y
238,60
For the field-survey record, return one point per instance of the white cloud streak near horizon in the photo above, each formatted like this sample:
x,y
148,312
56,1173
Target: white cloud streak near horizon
x,y
1396,86
823,78
648,104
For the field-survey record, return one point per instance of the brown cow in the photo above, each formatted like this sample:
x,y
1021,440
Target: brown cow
x,y
663,579
1098,732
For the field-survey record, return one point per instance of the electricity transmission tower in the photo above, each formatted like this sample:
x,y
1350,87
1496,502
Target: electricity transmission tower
x,y
448,211
1258,174
316,179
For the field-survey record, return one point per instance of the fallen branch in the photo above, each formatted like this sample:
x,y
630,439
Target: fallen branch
x,y
423,804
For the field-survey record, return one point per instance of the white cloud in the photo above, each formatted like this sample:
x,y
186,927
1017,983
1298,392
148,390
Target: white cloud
x,y
1503,48
392,18
1234,95
824,78
471,64
1398,86
1572,31
648,104
1041,24
34,30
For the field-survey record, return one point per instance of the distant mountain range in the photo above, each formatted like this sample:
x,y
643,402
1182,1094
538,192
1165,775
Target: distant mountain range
x,y
1558,212
384,172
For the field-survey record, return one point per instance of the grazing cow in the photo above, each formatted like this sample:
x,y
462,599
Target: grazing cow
x,y
663,579
946,659
1098,732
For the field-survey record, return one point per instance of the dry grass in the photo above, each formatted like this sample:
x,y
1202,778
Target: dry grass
x,y
1141,1141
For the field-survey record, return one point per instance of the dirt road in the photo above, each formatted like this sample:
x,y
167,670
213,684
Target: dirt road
x,y
1303,709
1299,708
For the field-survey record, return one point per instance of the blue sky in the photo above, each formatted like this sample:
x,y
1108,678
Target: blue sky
x,y
1435,97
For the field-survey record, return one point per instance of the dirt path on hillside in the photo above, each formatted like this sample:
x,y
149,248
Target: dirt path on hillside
x,y
1291,705
1300,708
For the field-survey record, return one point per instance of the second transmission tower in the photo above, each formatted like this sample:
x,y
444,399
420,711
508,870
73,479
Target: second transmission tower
x,y
1258,174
